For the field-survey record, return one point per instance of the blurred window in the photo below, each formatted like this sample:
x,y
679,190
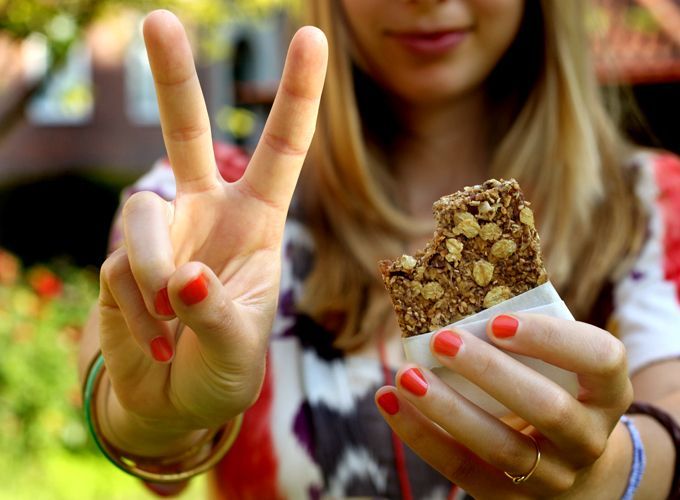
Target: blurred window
x,y
67,98
140,94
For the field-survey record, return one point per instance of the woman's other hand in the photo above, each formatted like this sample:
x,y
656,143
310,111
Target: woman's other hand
x,y
187,303
578,437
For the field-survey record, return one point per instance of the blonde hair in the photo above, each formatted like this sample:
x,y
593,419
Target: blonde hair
x,y
559,143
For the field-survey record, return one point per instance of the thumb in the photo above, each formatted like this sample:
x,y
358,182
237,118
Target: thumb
x,y
201,302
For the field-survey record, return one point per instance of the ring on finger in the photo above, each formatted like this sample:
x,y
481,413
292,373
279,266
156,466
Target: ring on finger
x,y
524,477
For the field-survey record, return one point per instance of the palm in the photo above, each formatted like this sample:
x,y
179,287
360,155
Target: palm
x,y
233,230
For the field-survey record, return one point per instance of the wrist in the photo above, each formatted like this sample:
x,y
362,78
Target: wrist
x,y
150,465
659,447
139,436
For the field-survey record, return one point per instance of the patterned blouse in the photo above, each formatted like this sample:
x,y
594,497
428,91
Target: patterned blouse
x,y
315,431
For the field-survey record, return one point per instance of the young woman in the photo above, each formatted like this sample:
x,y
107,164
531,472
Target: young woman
x,y
205,324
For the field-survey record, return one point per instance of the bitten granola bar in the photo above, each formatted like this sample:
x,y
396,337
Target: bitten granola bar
x,y
484,251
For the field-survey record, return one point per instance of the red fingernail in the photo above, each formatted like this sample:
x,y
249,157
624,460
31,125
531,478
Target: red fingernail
x,y
162,303
194,291
389,403
413,381
161,350
504,326
447,343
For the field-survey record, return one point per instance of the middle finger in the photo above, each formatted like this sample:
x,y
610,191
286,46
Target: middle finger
x,y
486,436
184,117
535,398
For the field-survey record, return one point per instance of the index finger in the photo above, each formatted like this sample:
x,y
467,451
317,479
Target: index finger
x,y
276,163
595,355
184,117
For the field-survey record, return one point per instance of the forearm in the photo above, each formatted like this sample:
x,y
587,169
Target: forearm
x,y
134,435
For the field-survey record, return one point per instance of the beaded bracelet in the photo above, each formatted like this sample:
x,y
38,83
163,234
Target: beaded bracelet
x,y
673,429
162,469
637,468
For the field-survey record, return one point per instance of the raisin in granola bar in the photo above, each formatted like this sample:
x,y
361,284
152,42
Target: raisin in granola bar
x,y
485,250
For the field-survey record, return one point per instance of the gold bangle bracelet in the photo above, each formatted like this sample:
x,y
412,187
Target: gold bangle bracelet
x,y
162,469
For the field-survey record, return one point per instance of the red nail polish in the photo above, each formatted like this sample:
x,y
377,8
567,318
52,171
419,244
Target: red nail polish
x,y
162,303
447,343
194,291
389,403
504,326
413,381
161,350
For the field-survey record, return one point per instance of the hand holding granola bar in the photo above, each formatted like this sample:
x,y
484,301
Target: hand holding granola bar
x,y
484,259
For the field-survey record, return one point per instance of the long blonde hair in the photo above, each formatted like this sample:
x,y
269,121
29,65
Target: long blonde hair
x,y
559,142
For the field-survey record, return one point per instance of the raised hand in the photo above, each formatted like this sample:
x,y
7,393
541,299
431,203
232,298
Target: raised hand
x,y
579,440
187,303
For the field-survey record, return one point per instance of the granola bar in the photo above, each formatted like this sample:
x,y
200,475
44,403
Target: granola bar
x,y
485,250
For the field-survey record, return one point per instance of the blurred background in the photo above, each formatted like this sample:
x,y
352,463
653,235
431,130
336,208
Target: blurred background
x,y
78,122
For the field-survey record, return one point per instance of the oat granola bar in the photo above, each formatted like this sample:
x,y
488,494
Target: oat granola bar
x,y
485,250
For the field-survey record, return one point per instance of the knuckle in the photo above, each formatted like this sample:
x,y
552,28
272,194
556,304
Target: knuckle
x,y
283,145
612,359
152,264
561,483
115,267
506,455
593,448
217,321
188,133
460,470
137,201
551,331
559,412
486,367
627,395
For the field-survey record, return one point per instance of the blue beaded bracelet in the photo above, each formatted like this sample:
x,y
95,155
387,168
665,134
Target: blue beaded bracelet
x,y
637,468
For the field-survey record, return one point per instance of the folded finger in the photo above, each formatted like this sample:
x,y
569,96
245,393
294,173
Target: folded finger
x,y
595,355
287,135
123,309
184,117
146,222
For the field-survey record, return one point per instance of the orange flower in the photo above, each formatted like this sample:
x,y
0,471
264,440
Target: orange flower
x,y
45,282
9,268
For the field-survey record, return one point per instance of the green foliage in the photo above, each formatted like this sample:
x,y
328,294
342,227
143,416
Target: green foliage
x,y
41,315
45,450
59,475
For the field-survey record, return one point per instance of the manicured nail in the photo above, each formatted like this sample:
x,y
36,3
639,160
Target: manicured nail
x,y
504,326
194,291
413,381
389,403
447,343
162,303
161,350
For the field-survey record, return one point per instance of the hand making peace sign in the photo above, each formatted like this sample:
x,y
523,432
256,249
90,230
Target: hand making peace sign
x,y
196,281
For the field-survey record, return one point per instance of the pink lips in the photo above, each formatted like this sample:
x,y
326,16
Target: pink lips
x,y
435,43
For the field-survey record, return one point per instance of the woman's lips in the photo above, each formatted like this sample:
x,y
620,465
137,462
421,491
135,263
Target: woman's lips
x,y
434,43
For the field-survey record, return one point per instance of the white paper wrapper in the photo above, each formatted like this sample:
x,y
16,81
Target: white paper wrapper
x,y
540,300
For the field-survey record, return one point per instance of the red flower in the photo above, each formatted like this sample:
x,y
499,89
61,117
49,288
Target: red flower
x,y
45,282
